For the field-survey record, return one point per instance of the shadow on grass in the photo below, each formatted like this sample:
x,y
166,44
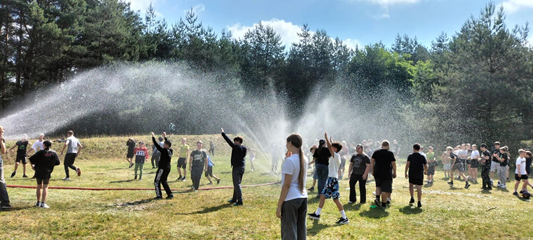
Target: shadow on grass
x,y
411,210
353,207
144,201
317,227
486,191
209,209
428,185
522,199
312,199
18,208
123,181
376,213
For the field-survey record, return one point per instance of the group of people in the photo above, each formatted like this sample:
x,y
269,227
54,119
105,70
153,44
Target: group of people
x,y
43,161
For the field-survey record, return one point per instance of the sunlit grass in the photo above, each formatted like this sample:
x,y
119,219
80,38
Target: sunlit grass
x,y
447,213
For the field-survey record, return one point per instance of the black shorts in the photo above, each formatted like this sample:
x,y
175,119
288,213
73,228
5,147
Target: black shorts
x,y
468,161
524,177
416,181
431,170
130,155
182,163
21,159
209,172
384,184
42,180
474,163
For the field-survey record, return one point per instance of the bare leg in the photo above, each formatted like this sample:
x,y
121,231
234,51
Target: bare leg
x,y
419,192
411,190
38,192
516,185
322,201
339,204
16,166
45,192
23,169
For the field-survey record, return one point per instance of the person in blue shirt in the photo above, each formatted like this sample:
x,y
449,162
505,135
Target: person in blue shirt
x,y
209,173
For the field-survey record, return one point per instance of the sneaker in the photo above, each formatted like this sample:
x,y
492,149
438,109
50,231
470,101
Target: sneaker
x,y
135,178
311,189
183,179
314,216
218,181
179,179
131,165
503,186
78,171
38,204
140,178
467,185
521,191
450,183
158,198
235,204
66,179
412,201
378,203
43,205
419,204
232,201
170,197
499,183
6,206
210,183
343,221
384,205
24,176
13,174
515,193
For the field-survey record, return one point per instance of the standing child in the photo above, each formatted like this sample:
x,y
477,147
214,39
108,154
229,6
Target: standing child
x,y
197,165
4,197
331,188
503,158
212,148
182,159
141,156
521,173
415,169
446,166
22,147
209,173
474,163
131,151
164,167
44,162
252,158
432,164
486,164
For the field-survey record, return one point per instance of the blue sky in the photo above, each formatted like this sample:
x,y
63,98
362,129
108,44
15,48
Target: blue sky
x,y
355,21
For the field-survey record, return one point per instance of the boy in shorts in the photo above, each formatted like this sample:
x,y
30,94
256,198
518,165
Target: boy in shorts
x,y
209,173
458,165
22,147
44,162
415,169
331,189
182,159
521,173
446,166
432,164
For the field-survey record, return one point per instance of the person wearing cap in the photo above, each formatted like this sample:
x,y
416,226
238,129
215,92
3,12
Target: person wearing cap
x,y
197,164
44,162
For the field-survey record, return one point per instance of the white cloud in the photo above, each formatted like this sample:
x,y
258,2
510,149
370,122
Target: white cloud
x,y
142,6
512,6
287,31
387,2
196,9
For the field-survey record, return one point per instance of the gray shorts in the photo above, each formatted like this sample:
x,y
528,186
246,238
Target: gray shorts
x,y
459,166
447,167
494,166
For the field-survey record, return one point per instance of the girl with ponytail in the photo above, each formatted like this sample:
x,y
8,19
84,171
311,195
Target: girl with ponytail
x,y
292,204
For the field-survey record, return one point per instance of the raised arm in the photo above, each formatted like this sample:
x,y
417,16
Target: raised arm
x,y
329,144
230,143
156,144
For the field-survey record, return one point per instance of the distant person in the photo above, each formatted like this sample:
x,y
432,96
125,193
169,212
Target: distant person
x,y
198,163
211,148
486,162
322,155
315,176
183,154
495,163
164,167
209,173
358,172
141,156
4,197
22,147
292,203
521,173
415,169
252,159
238,153
458,165
446,164
395,148
37,146
383,160
474,163
344,154
156,154
431,164
331,189
171,128
131,151
44,162
274,154
74,147
503,159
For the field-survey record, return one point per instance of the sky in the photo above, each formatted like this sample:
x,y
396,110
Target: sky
x,y
356,22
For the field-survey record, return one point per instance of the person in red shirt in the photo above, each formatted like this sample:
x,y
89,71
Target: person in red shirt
x,y
141,155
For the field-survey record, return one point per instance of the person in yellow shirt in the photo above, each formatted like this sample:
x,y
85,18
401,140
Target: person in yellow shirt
x,y
182,159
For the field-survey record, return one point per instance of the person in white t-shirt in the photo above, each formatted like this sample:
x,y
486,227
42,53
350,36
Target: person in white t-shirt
x,y
331,189
474,163
37,146
292,204
521,173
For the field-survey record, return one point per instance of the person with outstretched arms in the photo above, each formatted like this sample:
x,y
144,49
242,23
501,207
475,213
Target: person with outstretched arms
x,y
238,153
164,167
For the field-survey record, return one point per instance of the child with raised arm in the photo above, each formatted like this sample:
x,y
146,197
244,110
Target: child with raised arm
x,y
141,156
238,155
331,189
44,162
164,167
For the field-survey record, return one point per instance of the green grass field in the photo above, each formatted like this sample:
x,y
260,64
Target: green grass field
x,y
74,214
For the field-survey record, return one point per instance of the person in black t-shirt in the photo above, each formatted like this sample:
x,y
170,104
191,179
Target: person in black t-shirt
x,y
322,155
44,162
358,172
131,147
197,165
382,160
503,159
415,169
486,162
495,165
22,147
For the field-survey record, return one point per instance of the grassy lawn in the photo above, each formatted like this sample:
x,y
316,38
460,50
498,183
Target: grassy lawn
x,y
447,213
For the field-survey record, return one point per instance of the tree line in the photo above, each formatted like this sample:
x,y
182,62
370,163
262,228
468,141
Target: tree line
x,y
474,85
